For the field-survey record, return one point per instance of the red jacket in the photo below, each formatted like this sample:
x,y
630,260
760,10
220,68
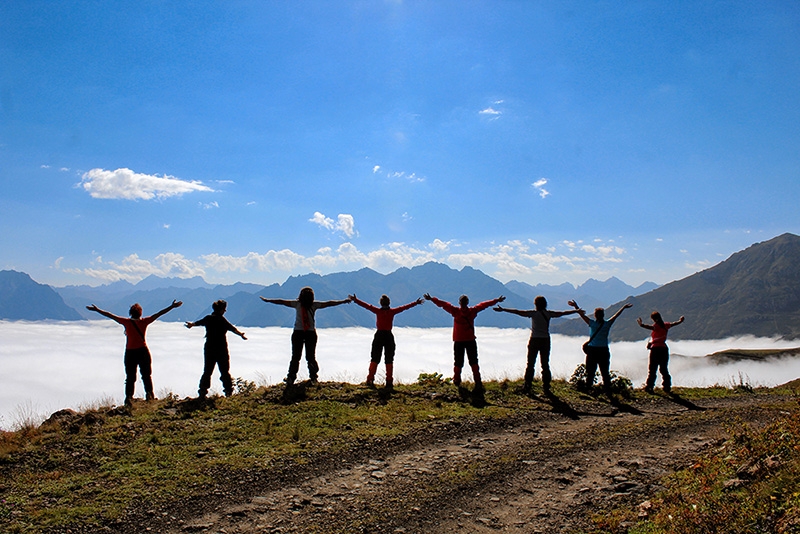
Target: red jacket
x,y
463,318
384,317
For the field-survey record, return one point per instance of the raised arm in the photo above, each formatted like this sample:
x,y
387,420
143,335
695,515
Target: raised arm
x,y
282,302
640,323
579,311
446,306
175,304
329,303
408,306
619,312
522,313
679,321
366,306
104,313
562,313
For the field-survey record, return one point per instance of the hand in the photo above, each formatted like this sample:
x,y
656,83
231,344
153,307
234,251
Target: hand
x,y
177,304
241,334
501,298
639,321
188,324
92,308
497,308
573,304
352,297
628,305
427,296
265,300
420,301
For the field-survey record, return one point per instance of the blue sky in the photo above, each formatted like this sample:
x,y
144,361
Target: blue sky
x,y
539,141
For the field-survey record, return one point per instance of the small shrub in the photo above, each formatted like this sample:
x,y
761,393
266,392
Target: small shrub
x,y
620,385
432,379
744,384
244,387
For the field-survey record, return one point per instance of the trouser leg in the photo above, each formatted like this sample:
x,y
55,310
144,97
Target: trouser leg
x,y
297,353
131,365
530,368
458,361
205,378
311,355
224,364
544,351
604,363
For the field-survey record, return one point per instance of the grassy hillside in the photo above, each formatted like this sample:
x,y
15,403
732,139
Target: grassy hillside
x,y
110,465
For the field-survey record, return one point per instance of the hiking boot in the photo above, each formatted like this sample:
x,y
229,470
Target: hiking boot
x,y
649,389
149,396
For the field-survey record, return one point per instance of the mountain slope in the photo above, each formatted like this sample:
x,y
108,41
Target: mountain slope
x,y
23,299
756,291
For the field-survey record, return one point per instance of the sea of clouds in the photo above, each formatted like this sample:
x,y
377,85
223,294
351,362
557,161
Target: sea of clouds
x,y
48,366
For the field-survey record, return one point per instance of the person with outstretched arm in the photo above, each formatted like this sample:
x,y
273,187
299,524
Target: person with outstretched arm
x,y
464,339
215,351
137,355
384,338
539,342
305,331
659,352
597,351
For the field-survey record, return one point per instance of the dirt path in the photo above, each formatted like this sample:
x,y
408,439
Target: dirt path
x,y
546,472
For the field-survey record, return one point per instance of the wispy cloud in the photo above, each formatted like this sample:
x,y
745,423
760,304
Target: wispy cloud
x,y
539,186
411,177
128,185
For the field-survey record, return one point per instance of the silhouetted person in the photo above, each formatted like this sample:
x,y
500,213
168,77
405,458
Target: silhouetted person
x,y
539,342
137,355
305,332
215,351
597,352
464,339
659,352
384,339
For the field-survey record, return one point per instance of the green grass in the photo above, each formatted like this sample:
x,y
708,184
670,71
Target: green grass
x,y
92,468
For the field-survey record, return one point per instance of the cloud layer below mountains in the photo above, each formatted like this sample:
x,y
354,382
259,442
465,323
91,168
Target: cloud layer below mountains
x,y
50,366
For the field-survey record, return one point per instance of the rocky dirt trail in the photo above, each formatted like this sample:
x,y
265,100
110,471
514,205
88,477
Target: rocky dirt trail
x,y
546,471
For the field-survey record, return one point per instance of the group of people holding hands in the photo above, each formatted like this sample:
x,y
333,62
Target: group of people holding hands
x,y
304,338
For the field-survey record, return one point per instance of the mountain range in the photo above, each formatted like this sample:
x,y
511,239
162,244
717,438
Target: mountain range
x,y
246,309
756,291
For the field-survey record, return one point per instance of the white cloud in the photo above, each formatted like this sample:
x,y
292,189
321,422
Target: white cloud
x,y
132,268
128,185
490,112
375,169
345,223
210,205
539,186
322,220
521,259
439,246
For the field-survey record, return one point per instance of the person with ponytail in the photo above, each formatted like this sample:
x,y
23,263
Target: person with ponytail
x,y
305,332
659,352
